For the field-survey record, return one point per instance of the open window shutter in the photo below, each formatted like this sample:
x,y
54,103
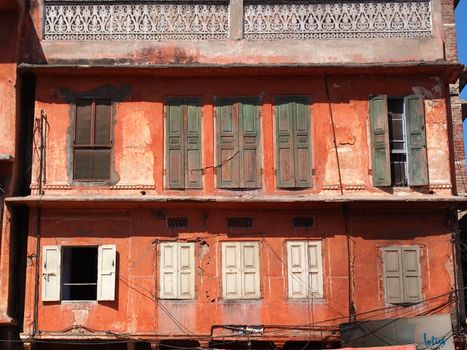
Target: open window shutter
x,y
186,271
411,274
193,144
302,142
285,143
51,268
250,167
227,143
231,277
175,178
250,270
168,271
315,269
296,263
393,281
380,140
416,142
106,267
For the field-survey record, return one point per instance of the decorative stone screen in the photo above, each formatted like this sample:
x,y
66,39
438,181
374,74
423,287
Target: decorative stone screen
x,y
143,21
338,20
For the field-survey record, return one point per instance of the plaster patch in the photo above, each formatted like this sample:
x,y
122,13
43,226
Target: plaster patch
x,y
80,316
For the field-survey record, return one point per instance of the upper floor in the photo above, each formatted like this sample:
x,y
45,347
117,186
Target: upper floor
x,y
220,32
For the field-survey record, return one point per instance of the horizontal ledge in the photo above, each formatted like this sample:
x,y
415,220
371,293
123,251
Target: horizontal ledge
x,y
5,157
450,70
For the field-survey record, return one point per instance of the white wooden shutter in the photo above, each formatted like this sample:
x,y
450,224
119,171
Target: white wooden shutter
x,y
315,269
51,267
296,263
168,271
186,271
106,261
411,274
392,269
250,270
231,276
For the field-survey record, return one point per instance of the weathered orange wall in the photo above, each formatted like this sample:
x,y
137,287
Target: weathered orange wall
x,y
138,232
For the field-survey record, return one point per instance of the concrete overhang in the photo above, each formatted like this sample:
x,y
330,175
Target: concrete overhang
x,y
447,70
376,202
462,79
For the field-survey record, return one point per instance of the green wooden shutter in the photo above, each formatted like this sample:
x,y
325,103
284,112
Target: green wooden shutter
x,y
302,142
416,142
250,161
175,178
285,166
380,140
411,273
227,143
193,143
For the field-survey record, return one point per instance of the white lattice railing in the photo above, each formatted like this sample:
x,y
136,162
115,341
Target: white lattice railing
x,y
318,20
303,19
136,21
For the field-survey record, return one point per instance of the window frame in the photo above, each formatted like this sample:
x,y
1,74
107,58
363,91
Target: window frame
x,y
92,146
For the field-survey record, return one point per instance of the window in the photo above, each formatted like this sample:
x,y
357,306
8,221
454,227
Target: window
x,y
402,275
398,141
78,273
92,145
293,168
177,270
183,138
305,270
238,156
240,270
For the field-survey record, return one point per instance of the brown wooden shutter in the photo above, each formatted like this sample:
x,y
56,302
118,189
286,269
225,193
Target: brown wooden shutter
x,y
193,143
102,125
250,161
380,141
285,165
416,142
302,142
83,164
393,280
175,144
227,143
83,122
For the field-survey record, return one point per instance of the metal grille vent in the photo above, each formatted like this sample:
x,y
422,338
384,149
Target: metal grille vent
x,y
239,222
301,221
180,222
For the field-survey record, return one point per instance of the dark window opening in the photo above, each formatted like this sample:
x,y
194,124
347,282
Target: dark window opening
x,y
239,222
178,344
303,221
79,273
180,222
397,142
92,142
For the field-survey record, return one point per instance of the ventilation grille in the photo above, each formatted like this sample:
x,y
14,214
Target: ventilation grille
x,y
181,222
303,221
239,222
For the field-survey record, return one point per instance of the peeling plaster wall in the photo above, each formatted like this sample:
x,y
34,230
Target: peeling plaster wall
x,y
139,129
138,232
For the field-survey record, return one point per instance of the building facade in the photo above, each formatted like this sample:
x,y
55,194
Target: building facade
x,y
234,174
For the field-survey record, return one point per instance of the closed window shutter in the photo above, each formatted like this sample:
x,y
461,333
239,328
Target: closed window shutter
x,y
175,146
51,267
193,144
315,269
83,122
393,280
227,143
380,140
250,270
416,141
102,126
250,167
285,166
297,274
168,271
302,142
106,270
186,271
411,274
231,276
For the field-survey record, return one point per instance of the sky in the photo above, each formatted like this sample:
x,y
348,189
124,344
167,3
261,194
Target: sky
x,y
461,29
